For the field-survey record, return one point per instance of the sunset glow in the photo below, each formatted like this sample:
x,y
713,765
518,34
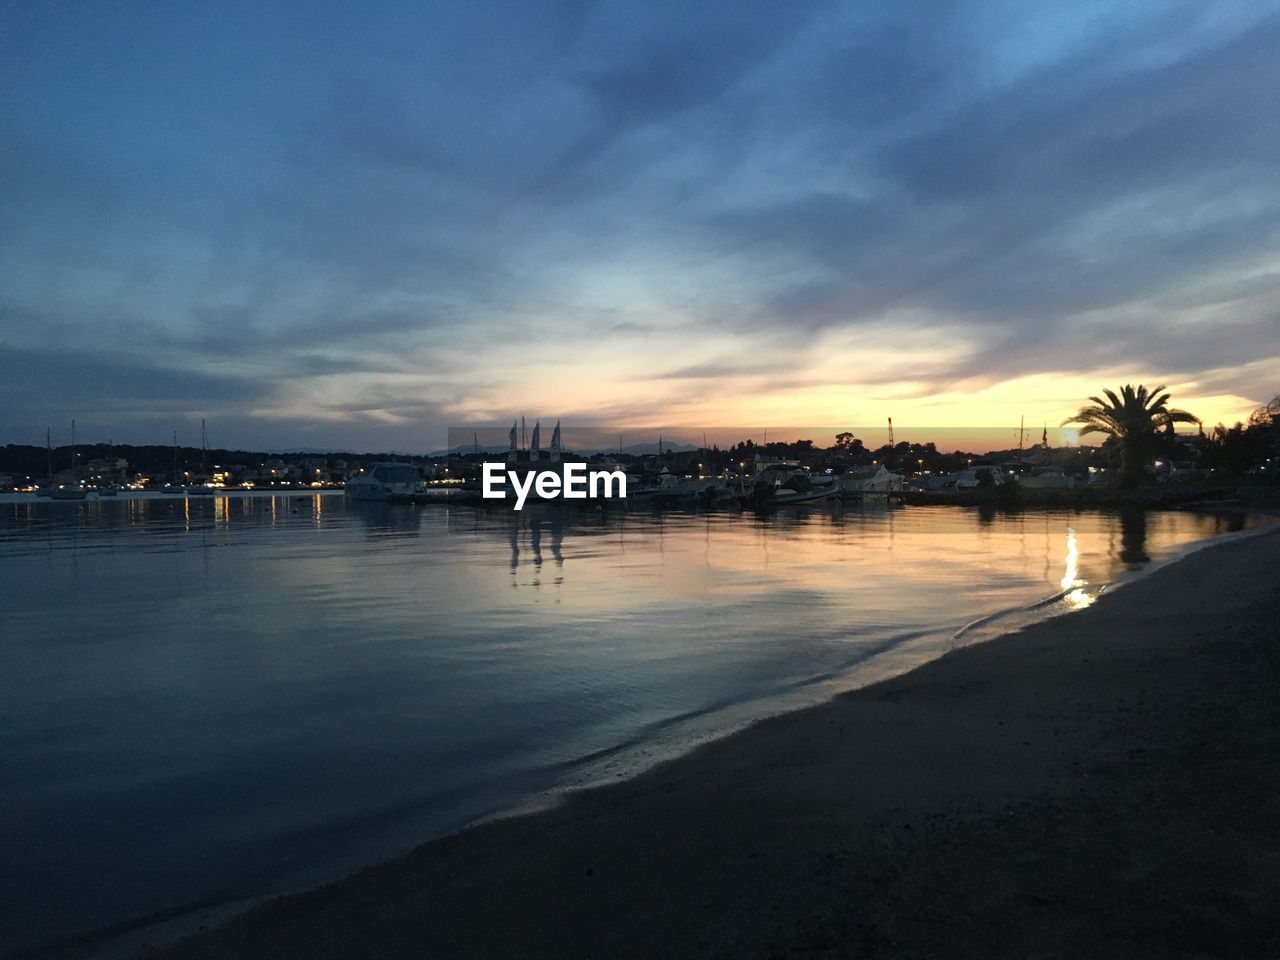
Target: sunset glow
x,y
366,230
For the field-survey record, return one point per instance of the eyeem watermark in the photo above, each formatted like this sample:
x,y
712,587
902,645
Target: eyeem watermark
x,y
572,482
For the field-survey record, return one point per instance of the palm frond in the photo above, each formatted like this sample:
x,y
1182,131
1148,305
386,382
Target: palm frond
x,y
1097,428
1130,412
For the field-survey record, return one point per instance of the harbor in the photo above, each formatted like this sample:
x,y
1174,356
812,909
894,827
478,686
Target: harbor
x,y
622,481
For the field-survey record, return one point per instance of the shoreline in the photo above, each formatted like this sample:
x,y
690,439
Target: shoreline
x,y
164,931
579,878
1266,521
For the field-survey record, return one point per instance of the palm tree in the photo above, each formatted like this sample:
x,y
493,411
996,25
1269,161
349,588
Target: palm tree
x,y
1132,419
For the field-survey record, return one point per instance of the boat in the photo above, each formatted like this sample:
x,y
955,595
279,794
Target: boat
x,y
1048,480
784,483
386,479
111,490
670,488
176,487
933,483
46,489
200,489
875,478
67,493
979,476
71,491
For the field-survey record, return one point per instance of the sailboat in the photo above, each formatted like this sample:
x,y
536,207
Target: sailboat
x,y
74,491
175,487
46,489
200,490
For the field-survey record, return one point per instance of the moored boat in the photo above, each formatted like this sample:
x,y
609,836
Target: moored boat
x,y
69,491
386,479
785,483
875,478
670,488
65,493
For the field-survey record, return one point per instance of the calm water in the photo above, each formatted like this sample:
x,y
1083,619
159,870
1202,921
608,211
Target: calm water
x,y
213,699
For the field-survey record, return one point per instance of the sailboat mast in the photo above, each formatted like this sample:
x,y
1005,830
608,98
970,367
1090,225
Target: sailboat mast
x,y
48,444
73,452
204,448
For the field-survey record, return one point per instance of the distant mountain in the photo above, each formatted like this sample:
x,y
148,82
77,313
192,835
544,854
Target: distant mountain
x,y
636,449
463,449
645,449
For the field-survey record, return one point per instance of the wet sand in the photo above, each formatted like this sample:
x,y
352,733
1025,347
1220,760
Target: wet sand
x,y
1106,784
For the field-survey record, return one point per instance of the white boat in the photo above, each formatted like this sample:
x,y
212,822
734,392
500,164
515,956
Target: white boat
x,y
933,483
384,480
976,477
1048,480
870,479
672,488
785,483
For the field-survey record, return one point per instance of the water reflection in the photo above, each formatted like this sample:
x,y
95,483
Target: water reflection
x,y
526,538
1133,536
1074,593
382,673
386,519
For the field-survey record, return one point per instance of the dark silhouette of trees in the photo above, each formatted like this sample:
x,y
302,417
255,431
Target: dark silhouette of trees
x,y
1132,418
1243,447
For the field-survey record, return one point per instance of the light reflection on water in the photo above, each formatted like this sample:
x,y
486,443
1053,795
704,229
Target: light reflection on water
x,y
1074,589
215,698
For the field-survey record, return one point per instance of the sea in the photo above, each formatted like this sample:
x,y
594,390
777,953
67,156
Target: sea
x,y
208,701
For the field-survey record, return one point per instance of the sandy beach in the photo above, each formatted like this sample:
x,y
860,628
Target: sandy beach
x,y
1105,784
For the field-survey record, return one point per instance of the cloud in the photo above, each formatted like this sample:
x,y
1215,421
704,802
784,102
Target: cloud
x,y
482,210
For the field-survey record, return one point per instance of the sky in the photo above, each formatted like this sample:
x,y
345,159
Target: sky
x,y
353,226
